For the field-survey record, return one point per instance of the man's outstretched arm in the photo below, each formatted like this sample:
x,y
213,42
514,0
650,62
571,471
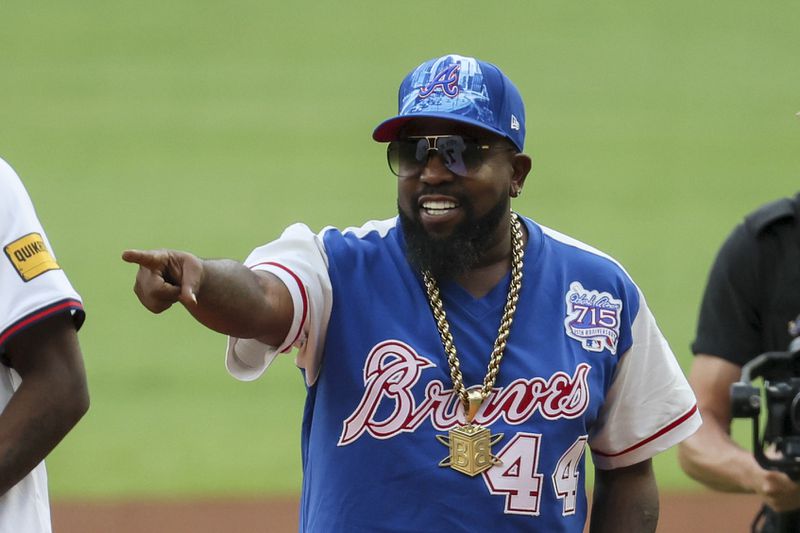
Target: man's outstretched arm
x,y
221,294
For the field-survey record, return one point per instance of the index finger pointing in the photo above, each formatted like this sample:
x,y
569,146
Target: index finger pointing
x,y
153,260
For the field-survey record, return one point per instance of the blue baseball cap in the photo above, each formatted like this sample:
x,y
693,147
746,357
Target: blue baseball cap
x,y
463,89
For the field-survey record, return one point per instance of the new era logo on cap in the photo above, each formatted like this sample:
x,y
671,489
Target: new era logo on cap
x,y
463,89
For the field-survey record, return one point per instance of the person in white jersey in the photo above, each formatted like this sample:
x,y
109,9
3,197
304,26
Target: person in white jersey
x,y
43,389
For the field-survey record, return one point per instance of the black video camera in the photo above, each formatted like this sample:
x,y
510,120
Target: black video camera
x,y
781,374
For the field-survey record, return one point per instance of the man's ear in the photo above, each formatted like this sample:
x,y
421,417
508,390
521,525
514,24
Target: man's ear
x,y
522,164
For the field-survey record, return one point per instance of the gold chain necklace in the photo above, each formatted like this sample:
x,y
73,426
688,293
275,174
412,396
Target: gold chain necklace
x,y
471,445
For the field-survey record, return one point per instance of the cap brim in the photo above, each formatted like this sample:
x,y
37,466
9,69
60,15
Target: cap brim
x,y
389,129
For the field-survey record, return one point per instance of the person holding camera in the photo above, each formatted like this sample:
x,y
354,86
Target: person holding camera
x,y
753,292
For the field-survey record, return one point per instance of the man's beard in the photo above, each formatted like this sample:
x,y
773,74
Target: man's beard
x,y
451,256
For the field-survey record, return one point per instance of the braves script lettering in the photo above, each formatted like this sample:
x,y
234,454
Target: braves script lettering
x,y
393,368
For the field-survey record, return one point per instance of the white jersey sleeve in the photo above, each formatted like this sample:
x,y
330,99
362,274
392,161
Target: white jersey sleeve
x,y
650,406
298,259
32,285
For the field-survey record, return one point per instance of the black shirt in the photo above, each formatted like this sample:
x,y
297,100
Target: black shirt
x,y
753,289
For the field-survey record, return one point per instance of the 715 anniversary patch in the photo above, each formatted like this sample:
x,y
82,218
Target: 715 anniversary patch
x,y
30,256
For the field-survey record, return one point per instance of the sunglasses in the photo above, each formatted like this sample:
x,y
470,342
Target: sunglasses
x,y
461,155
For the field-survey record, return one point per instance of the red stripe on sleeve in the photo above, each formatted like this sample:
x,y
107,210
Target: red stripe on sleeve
x,y
303,295
683,418
38,315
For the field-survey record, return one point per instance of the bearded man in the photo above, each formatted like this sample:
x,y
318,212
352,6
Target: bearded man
x,y
458,358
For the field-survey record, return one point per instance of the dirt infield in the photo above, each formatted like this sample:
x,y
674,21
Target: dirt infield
x,y
699,512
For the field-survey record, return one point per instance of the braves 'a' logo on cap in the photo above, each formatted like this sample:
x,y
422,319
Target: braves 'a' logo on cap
x,y
446,80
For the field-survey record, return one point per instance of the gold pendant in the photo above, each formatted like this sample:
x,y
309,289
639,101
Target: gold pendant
x,y
470,445
470,449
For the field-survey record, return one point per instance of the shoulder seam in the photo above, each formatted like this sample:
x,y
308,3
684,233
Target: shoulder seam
x,y
381,227
580,245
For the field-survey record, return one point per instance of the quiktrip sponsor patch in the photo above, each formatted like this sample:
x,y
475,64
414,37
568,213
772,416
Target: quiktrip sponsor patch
x,y
30,256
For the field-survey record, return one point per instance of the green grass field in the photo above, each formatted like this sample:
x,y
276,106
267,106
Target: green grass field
x,y
210,126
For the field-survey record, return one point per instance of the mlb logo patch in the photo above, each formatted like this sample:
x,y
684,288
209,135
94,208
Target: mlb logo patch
x,y
593,318
30,256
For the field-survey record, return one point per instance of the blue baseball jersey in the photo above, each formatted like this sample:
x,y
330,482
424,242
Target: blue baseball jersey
x,y
585,366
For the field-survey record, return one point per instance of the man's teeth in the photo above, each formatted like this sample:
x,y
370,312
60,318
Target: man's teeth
x,y
438,207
